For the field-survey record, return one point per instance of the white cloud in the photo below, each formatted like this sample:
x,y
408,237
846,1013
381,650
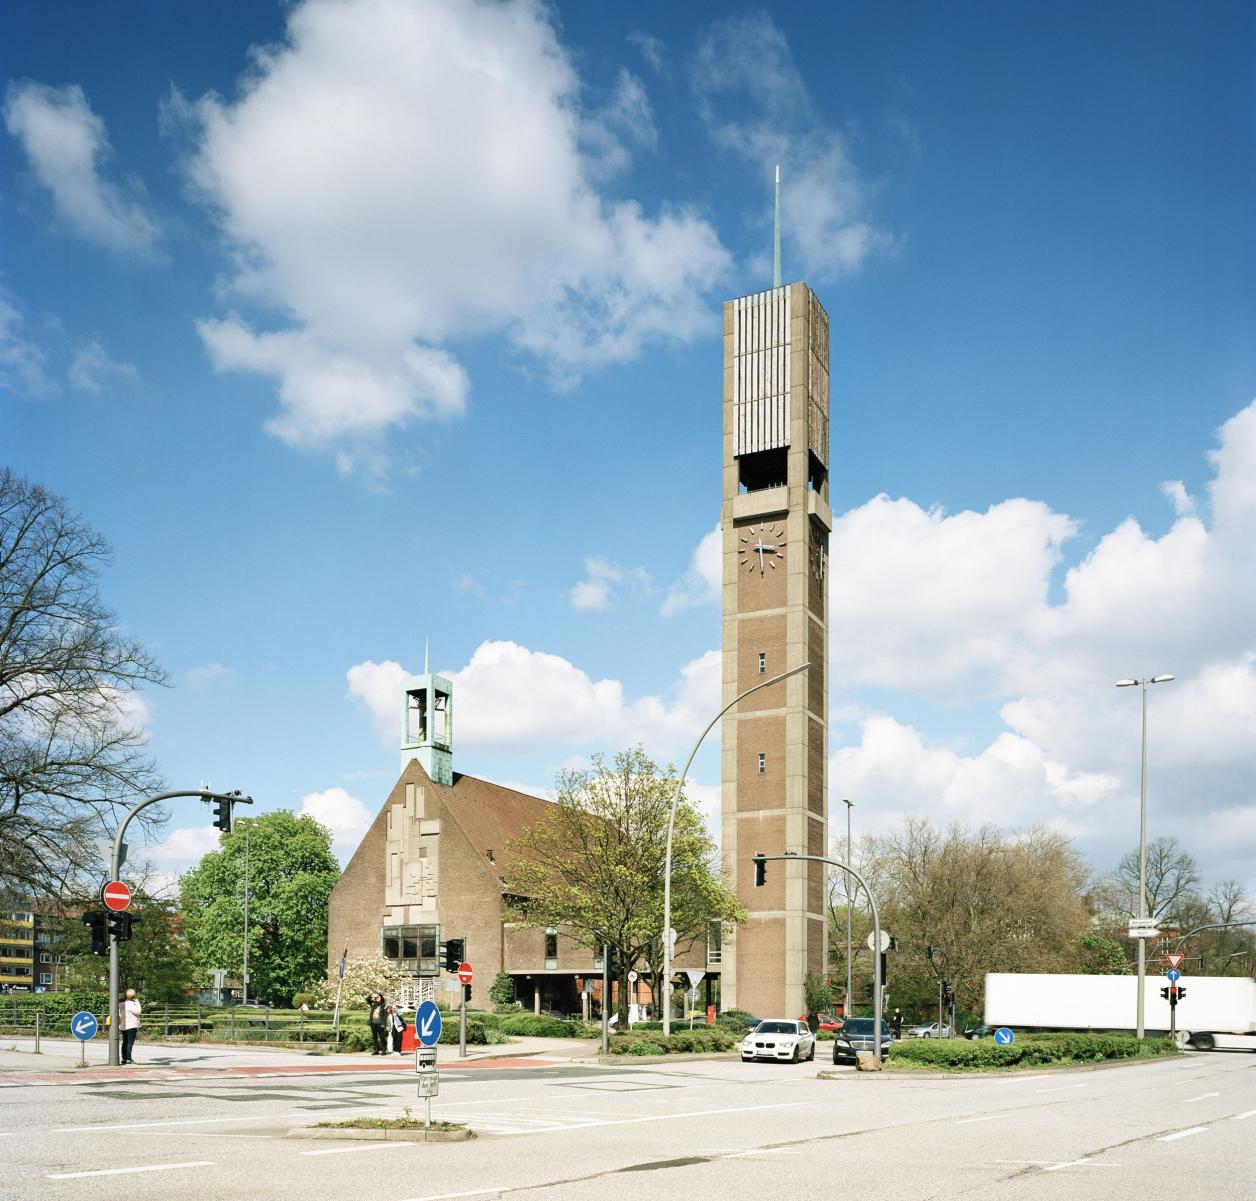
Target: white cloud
x,y
21,359
93,367
342,813
510,697
700,585
68,148
959,606
181,851
755,103
651,48
198,677
395,177
597,589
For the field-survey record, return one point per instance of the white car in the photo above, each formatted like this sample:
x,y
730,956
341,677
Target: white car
x,y
931,1030
779,1038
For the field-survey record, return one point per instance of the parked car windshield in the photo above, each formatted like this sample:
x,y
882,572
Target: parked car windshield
x,y
858,1026
777,1028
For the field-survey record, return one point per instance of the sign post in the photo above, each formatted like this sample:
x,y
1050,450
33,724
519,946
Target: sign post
x,y
83,1026
464,979
427,1027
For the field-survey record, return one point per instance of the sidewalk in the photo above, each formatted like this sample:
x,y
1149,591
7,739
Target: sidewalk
x,y
58,1061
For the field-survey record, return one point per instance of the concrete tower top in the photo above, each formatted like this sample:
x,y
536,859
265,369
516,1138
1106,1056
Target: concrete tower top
x,y
427,724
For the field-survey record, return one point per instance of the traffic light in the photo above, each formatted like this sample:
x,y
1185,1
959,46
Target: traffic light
x,y
95,920
1181,992
893,943
128,920
1164,993
884,972
222,815
466,993
948,995
760,870
452,953
929,954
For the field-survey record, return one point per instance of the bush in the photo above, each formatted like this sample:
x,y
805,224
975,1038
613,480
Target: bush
x,y
502,991
683,1042
733,1019
537,1025
1060,1047
476,1033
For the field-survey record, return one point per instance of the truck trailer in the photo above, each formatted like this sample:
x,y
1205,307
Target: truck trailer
x,y
1215,1011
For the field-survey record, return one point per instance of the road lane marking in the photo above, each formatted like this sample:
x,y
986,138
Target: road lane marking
x,y
1251,1113
475,1192
382,1145
1085,1161
1063,1088
155,1167
1168,1138
990,1117
1201,1097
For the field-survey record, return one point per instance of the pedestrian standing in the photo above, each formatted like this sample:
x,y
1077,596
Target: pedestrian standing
x,y
378,1016
129,1010
396,1028
896,1023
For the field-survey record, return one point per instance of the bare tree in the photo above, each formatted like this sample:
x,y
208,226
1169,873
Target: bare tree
x,y
1172,881
71,752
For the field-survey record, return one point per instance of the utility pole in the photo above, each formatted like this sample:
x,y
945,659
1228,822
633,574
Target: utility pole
x,y
846,877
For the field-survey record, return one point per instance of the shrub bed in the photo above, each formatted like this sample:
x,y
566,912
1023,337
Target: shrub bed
x,y
537,1025
1028,1051
683,1042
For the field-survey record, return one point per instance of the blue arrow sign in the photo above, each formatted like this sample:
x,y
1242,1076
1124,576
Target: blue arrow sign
x,y
427,1024
1174,975
83,1025
1004,1037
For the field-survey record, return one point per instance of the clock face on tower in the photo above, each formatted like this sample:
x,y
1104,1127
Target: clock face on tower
x,y
762,547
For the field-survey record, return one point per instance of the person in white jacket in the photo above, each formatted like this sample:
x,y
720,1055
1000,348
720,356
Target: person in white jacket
x,y
129,1011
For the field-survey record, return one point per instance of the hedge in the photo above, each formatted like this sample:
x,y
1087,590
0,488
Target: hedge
x,y
685,1041
537,1025
1028,1051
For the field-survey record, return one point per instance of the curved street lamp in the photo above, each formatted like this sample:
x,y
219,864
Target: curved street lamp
x,y
671,824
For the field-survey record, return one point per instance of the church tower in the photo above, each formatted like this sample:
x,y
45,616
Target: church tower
x,y
776,521
427,731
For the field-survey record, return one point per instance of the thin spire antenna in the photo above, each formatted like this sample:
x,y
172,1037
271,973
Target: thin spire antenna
x,y
776,255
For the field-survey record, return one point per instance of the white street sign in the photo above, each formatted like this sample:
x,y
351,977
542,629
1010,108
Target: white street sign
x,y
694,977
429,1084
424,1059
1146,922
1143,932
885,941
693,994
632,977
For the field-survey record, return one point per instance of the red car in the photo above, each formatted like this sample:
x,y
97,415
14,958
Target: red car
x,y
827,1022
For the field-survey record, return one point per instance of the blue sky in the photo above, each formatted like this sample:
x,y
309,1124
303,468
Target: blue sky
x,y
352,324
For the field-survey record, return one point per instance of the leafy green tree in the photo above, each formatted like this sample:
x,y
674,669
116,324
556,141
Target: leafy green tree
x,y
817,992
1095,955
594,866
291,874
503,990
156,961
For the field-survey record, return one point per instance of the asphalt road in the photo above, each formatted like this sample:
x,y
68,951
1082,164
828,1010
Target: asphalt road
x,y
1183,1127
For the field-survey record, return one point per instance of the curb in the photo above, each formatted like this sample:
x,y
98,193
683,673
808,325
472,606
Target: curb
x,y
392,1136
679,1057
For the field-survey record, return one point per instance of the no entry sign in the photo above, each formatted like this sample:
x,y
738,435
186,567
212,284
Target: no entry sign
x,y
464,973
116,896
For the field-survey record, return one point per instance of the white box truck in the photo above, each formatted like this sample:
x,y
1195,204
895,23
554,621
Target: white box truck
x,y
1216,1011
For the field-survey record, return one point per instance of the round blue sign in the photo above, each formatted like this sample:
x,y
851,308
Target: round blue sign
x,y
1004,1037
1174,975
83,1025
427,1024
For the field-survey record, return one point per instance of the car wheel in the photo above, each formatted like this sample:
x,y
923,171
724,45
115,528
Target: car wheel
x,y
812,1054
835,1059
1204,1042
794,1057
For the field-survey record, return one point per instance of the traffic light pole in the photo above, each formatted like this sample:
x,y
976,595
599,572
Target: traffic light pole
x,y
877,982
115,868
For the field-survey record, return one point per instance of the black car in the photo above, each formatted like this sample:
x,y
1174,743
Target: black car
x,y
856,1035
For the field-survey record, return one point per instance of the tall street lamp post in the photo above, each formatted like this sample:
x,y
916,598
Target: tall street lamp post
x,y
671,824
1142,845
846,877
